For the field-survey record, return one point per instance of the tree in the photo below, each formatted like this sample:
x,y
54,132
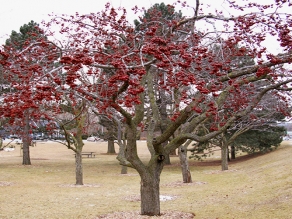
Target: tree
x,y
165,12
74,130
22,67
176,58
111,134
198,90
260,140
269,111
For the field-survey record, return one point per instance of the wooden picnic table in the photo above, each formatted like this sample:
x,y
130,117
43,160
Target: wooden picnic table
x,y
88,154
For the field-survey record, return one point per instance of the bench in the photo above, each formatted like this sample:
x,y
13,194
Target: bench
x,y
88,154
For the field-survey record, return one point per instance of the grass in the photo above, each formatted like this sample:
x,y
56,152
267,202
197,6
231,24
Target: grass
x,y
254,188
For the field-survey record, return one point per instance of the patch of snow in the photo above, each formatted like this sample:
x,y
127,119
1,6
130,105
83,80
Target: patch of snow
x,y
9,149
164,198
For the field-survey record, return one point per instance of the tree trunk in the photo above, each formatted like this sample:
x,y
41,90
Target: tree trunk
x,y
26,141
79,168
150,202
167,160
111,147
186,173
149,174
224,157
228,157
124,170
26,154
232,152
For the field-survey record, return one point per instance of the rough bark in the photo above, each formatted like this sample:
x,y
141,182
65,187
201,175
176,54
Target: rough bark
x,y
167,156
224,157
150,202
79,168
26,154
111,147
186,173
26,141
162,102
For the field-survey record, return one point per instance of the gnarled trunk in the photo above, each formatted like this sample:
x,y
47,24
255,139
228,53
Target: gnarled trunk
x,y
150,202
149,174
79,168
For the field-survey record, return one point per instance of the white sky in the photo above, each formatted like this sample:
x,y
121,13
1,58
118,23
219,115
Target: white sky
x,y
15,13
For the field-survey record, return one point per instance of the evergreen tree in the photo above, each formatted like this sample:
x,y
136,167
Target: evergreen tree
x,y
165,12
27,34
262,139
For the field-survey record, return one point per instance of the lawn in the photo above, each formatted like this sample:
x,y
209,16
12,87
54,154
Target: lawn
x,y
253,187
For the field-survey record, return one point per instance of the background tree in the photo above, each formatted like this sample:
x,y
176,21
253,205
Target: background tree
x,y
263,139
266,116
22,68
74,130
110,133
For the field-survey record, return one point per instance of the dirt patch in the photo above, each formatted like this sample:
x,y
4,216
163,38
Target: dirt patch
x,y
137,215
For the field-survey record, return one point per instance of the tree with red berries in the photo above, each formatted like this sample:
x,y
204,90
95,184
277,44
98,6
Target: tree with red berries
x,y
120,69
26,58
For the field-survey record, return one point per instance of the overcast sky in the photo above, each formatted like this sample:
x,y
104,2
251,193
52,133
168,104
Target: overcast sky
x,y
15,13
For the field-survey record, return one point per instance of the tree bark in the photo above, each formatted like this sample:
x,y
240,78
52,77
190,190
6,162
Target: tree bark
x,y
167,156
111,147
150,202
124,170
232,152
26,141
79,168
224,157
186,173
167,160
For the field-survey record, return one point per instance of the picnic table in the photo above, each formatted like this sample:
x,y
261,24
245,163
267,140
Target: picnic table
x,y
88,154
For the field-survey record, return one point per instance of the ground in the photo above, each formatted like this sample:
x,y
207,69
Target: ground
x,y
136,215
46,188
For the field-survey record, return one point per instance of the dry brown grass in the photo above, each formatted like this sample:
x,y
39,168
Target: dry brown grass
x,y
255,188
